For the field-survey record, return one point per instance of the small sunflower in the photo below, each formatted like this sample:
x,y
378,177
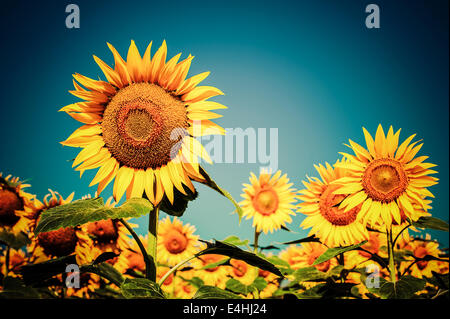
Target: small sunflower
x,y
169,284
17,258
269,200
385,178
50,200
131,259
139,124
108,235
242,271
183,288
421,248
15,204
213,276
63,241
308,255
332,225
290,254
176,242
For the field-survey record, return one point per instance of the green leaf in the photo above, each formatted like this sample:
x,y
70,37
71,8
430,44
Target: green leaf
x,y
259,284
40,272
89,210
236,286
234,240
14,288
141,288
309,274
194,281
209,182
405,288
333,252
14,241
180,203
431,223
234,252
222,262
106,271
210,292
308,239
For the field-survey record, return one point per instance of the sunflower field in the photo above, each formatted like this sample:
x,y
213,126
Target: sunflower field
x,y
367,213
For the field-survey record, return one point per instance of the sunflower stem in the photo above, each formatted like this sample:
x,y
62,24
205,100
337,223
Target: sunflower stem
x,y
148,262
153,239
392,269
8,249
173,269
255,244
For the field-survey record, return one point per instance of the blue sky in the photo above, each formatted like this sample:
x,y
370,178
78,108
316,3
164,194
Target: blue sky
x,y
309,68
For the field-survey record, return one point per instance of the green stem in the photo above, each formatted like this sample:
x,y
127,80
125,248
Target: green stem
x,y
148,262
8,249
173,269
392,270
398,235
153,238
255,244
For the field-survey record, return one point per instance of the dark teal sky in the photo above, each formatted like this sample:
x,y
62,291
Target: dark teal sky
x,y
309,68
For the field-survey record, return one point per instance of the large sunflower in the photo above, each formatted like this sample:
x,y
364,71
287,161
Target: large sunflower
x,y
139,125
177,242
385,178
332,225
269,200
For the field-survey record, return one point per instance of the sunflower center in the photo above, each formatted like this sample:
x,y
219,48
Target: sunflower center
x,y
421,252
210,259
60,242
9,203
384,180
105,231
142,125
175,242
136,261
329,207
266,201
239,268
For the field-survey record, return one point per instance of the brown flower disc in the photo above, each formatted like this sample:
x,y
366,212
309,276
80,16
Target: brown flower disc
x,y
384,180
329,208
9,203
60,242
142,125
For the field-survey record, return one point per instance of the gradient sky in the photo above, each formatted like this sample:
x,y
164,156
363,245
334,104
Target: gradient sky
x,y
309,68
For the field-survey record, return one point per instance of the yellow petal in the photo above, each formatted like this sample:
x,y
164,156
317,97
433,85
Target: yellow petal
x,y
134,63
158,62
201,93
123,180
112,76
167,183
120,66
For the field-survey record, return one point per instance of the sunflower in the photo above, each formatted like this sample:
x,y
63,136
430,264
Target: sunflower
x,y
331,224
421,248
242,271
15,205
140,125
16,259
289,255
310,251
60,242
269,200
131,259
183,288
108,235
385,178
177,242
213,276
50,200
168,285
272,280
